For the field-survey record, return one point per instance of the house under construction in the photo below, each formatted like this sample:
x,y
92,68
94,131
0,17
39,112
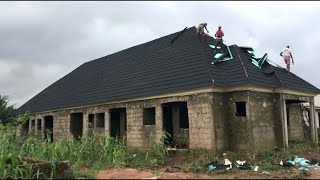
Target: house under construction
x,y
205,97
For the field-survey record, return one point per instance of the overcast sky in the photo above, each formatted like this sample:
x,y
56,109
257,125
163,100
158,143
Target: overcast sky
x,y
40,42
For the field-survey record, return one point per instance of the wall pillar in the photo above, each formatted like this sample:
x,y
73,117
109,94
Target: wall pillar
x,y
42,128
107,122
284,121
201,125
36,126
136,138
85,123
175,120
159,122
123,132
314,130
30,127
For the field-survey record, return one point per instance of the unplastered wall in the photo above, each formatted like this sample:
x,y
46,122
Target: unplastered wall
x,y
262,107
295,129
239,128
244,134
60,124
139,135
221,123
199,135
61,119
201,122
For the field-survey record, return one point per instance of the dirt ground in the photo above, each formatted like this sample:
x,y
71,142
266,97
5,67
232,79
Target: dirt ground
x,y
129,173
170,172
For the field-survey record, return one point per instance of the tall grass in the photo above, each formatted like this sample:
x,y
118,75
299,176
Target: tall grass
x,y
90,151
11,162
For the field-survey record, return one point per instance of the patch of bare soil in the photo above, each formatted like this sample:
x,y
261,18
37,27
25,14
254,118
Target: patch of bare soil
x,y
127,173
311,156
174,170
315,174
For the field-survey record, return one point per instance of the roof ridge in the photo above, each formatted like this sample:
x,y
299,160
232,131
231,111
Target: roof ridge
x,y
241,62
203,58
276,74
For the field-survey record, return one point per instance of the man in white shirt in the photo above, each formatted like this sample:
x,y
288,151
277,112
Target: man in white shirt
x,y
286,54
200,30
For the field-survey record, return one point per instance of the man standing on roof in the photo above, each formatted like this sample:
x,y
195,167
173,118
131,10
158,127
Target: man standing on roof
x,y
286,54
219,34
201,28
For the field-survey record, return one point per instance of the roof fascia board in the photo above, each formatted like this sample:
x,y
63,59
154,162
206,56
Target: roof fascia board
x,y
247,87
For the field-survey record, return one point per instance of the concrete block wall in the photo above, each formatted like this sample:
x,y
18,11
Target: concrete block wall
x,y
262,120
159,122
295,129
136,131
32,128
221,126
213,124
61,125
138,135
199,134
40,133
95,111
245,134
240,129
278,127
201,124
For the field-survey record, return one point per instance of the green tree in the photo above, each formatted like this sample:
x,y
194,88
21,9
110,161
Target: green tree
x,y
6,111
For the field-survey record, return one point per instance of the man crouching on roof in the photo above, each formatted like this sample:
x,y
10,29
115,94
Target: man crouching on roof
x,y
200,30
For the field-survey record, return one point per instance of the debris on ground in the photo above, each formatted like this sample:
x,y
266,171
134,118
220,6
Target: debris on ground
x,y
240,162
304,163
155,177
242,165
266,173
227,162
215,166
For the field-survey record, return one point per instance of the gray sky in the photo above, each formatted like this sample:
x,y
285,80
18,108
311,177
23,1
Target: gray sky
x,y
43,41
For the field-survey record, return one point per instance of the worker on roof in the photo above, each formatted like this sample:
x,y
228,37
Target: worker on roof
x,y
200,30
219,34
286,54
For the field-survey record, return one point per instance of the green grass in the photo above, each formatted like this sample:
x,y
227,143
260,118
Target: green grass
x,y
195,160
95,152
266,160
269,161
